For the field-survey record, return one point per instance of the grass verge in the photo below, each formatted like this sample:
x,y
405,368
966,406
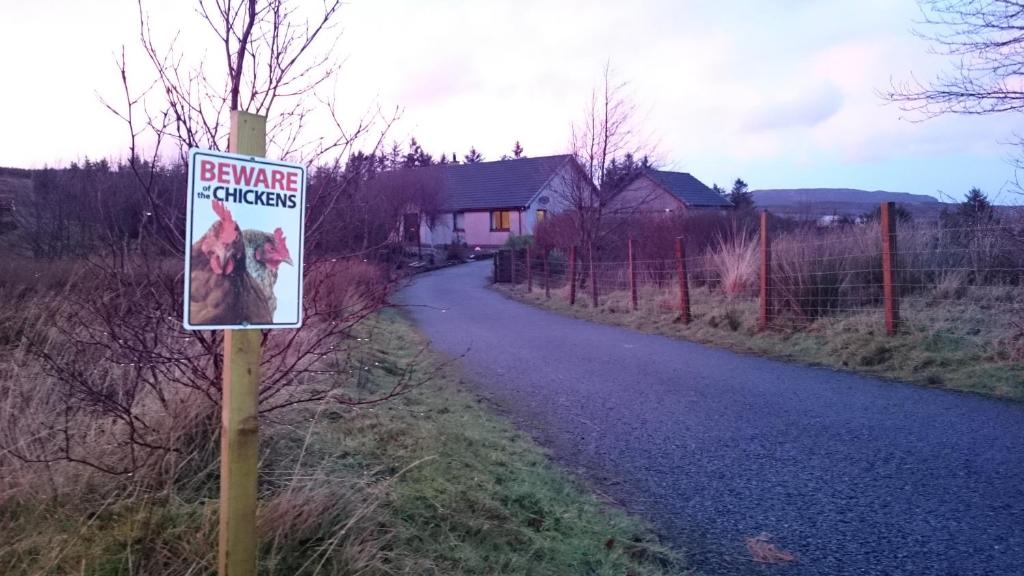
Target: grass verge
x,y
428,483
970,346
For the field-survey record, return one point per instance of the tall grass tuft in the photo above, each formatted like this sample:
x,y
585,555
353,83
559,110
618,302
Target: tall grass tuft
x,y
735,260
815,274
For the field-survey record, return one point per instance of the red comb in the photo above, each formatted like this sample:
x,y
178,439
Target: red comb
x,y
227,229
279,246
221,211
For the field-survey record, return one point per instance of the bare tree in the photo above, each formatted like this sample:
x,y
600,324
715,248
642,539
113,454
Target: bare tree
x,y
288,55
376,203
591,190
124,315
985,38
278,56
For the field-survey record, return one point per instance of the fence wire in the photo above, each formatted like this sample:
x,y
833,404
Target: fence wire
x,y
956,278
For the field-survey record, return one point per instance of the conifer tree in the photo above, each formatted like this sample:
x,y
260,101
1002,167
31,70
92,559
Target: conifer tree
x,y
740,196
473,156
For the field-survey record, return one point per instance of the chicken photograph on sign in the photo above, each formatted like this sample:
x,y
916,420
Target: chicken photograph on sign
x,y
243,265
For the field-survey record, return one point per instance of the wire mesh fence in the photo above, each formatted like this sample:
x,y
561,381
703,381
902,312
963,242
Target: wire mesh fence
x,y
968,279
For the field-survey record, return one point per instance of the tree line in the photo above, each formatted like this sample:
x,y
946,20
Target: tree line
x,y
99,205
415,156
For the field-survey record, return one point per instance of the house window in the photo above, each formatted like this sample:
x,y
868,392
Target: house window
x,y
459,222
501,220
541,215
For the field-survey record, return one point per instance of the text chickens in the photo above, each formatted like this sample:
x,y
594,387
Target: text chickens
x,y
254,197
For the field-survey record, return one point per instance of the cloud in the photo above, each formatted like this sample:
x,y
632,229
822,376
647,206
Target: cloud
x,y
440,81
805,109
717,92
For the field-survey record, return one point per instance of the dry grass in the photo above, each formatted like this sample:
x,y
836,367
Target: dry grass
x,y
425,483
61,516
817,276
735,260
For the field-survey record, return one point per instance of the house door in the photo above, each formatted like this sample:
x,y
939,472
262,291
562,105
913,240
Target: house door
x,y
411,228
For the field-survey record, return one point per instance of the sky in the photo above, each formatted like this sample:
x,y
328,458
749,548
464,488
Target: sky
x,y
783,93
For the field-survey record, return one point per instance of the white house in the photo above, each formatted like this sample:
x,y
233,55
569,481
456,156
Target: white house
x,y
484,203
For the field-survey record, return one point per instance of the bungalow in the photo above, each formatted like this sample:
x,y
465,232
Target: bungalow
x,y
484,203
660,191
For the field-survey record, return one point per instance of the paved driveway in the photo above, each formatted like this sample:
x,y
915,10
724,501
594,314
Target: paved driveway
x,y
852,474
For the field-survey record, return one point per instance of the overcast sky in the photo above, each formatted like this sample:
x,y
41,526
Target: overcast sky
x,y
781,93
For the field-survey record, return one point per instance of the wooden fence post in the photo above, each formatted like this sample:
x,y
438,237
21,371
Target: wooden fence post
x,y
529,268
889,292
547,274
766,273
593,276
684,282
632,275
572,275
239,439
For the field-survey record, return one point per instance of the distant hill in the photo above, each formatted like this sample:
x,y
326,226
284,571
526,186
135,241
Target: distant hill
x,y
790,196
817,202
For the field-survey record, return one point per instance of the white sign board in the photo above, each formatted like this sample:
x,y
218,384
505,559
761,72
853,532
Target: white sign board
x,y
243,261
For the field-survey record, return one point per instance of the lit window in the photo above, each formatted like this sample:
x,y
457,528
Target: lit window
x,y
541,215
501,220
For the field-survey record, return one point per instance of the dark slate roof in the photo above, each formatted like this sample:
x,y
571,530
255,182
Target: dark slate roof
x,y
691,191
499,184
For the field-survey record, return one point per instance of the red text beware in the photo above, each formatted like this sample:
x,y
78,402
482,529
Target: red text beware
x,y
233,174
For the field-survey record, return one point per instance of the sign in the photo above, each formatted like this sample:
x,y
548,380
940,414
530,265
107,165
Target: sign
x,y
244,233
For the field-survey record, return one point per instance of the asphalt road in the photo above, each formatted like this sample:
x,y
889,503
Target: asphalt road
x,y
852,474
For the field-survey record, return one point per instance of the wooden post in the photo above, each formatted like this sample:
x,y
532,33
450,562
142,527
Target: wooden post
x,y
766,273
889,292
547,274
632,275
684,282
593,276
572,275
239,436
529,268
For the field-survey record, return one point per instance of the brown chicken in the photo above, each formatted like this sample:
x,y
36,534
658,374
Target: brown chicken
x,y
264,254
218,275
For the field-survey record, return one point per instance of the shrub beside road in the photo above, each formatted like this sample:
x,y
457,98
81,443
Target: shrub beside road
x,y
428,482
